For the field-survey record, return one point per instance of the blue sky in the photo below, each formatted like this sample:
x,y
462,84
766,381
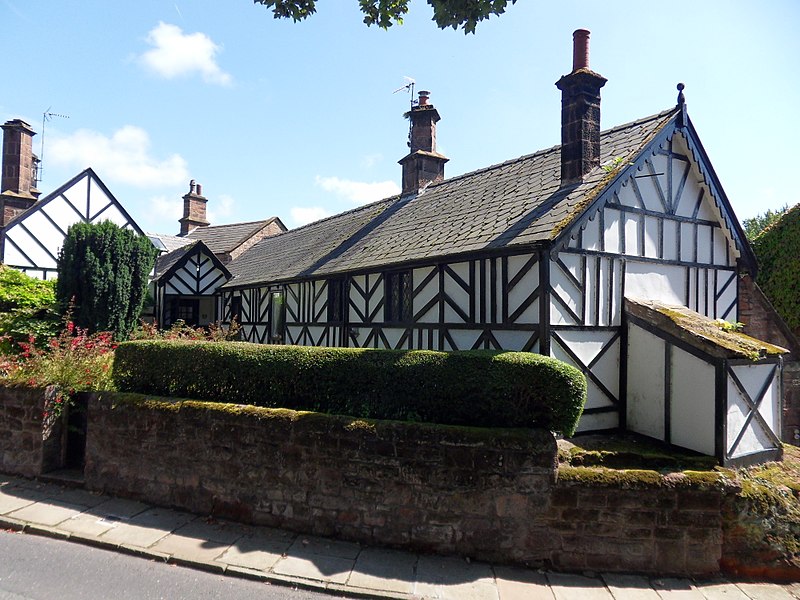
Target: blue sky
x,y
298,120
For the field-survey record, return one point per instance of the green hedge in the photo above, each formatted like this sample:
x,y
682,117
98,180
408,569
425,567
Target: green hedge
x,y
474,388
777,249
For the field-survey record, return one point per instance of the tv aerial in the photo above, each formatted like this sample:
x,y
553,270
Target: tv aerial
x,y
409,87
46,116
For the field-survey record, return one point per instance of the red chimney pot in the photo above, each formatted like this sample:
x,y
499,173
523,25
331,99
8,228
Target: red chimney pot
x,y
580,49
423,98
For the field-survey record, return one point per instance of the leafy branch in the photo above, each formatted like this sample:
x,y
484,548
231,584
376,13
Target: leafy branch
x,y
385,13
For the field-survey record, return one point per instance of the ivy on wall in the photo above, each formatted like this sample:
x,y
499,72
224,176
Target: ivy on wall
x,y
778,251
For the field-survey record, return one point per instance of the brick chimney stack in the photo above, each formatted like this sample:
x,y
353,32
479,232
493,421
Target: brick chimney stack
x,y
194,209
580,113
423,164
18,182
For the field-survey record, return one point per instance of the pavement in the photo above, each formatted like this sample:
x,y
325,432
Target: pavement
x,y
341,568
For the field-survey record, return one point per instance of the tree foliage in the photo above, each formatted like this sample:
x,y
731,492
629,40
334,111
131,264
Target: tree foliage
x,y
754,226
777,249
27,307
384,13
103,270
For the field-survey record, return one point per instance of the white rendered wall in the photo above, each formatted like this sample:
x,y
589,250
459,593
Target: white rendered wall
x,y
646,385
692,405
649,281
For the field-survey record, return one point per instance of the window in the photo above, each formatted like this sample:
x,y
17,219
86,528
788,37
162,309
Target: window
x,y
337,300
184,309
276,318
236,309
397,286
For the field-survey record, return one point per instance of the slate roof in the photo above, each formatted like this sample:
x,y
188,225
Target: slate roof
x,y
515,203
225,238
169,242
166,261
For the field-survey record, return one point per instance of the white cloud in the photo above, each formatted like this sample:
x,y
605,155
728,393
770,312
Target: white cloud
x,y
218,208
177,54
123,158
370,160
358,192
166,207
301,215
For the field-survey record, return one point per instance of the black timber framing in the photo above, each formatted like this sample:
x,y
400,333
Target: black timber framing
x,y
544,302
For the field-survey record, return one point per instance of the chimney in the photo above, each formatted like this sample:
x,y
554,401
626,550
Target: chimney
x,y
423,164
18,182
580,113
194,209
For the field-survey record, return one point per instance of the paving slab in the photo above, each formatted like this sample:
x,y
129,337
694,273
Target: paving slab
x,y
251,554
9,502
316,546
120,508
629,587
47,514
454,579
720,589
676,589
765,591
190,548
522,584
147,528
226,532
87,524
384,570
568,587
330,569
76,496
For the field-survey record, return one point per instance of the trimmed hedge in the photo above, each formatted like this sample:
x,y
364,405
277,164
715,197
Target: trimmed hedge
x,y
473,388
777,249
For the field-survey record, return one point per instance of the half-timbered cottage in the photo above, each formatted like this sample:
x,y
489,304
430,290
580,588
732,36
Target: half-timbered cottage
x,y
539,254
192,267
32,229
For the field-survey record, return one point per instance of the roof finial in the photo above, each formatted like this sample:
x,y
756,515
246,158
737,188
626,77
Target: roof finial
x,y
683,118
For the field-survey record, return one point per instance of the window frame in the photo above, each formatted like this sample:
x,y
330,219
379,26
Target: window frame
x,y
398,304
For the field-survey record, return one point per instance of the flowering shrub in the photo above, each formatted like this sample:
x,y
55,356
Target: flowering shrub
x,y
70,362
215,332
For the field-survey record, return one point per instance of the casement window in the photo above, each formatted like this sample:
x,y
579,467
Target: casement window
x,y
236,309
337,300
398,289
277,317
184,309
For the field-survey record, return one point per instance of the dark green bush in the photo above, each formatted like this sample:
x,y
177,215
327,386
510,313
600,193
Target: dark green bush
x,y
475,388
778,251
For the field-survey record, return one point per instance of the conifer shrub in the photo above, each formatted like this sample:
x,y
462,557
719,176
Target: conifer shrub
x,y
103,271
472,388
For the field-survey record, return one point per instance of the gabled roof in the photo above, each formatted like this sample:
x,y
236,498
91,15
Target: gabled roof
x,y
167,263
222,239
85,213
518,203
